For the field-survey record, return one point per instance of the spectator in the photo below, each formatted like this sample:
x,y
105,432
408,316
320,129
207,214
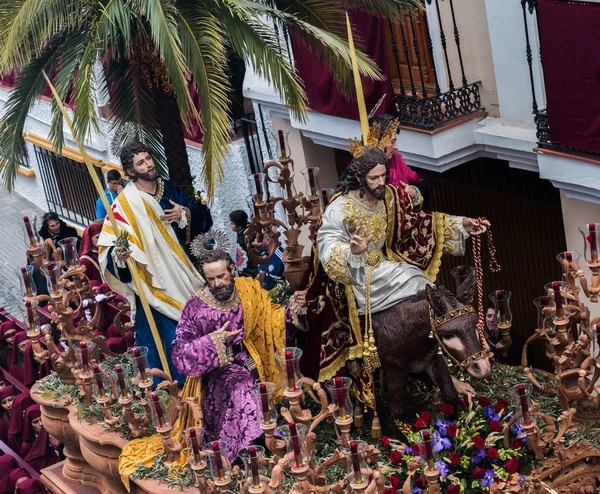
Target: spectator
x,y
53,230
88,252
7,465
114,183
238,222
494,336
273,269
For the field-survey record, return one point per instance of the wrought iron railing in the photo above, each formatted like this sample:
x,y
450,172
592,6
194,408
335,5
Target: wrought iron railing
x,y
540,115
249,126
68,186
422,103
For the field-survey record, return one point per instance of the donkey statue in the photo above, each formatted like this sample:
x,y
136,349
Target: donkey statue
x,y
410,333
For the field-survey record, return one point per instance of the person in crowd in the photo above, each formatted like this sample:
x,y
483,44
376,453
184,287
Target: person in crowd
x,y
238,222
31,429
53,230
494,336
16,478
159,220
17,357
7,398
88,252
114,186
17,420
30,486
8,331
7,465
228,334
271,272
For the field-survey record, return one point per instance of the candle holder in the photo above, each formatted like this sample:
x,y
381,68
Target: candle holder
x,y
311,177
559,292
343,409
283,144
258,186
69,252
138,356
264,394
53,272
103,393
356,465
32,240
27,284
161,418
255,468
501,301
289,364
591,241
298,456
326,196
196,457
220,468
569,262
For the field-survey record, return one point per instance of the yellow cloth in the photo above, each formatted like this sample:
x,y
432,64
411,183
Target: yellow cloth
x,y
264,333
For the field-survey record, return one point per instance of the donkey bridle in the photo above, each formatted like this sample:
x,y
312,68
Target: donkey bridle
x,y
436,322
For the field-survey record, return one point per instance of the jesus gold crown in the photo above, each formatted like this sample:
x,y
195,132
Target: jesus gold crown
x,y
372,140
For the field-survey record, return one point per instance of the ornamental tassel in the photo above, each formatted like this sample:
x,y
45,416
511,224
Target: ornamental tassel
x,y
359,418
376,427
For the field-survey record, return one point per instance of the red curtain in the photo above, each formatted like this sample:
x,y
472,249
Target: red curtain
x,y
323,94
570,43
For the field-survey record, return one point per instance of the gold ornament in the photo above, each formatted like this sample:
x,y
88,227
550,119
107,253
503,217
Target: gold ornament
x,y
372,139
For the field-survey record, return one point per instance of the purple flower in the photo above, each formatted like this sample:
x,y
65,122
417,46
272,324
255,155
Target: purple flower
x,y
442,467
478,457
408,451
416,490
440,443
488,480
517,429
491,414
441,425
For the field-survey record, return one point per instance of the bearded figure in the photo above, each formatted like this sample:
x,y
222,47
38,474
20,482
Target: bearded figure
x,y
158,219
373,250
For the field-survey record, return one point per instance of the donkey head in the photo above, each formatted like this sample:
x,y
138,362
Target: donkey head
x,y
459,332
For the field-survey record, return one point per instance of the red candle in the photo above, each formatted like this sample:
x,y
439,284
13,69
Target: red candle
x,y
195,448
325,198
462,274
259,192
544,300
340,396
122,385
282,143
218,460
98,377
157,408
295,444
311,181
139,360
524,404
85,356
28,291
569,256
428,449
264,399
52,275
30,315
592,241
254,467
289,367
355,462
558,300
29,230
598,334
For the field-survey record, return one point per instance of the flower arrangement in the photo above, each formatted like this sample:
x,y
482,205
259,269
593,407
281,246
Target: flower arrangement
x,y
468,448
241,259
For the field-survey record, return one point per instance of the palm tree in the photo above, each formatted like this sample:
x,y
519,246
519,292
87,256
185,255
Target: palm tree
x,y
150,52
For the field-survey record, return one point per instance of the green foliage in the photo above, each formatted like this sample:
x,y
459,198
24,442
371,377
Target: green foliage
x,y
53,387
176,479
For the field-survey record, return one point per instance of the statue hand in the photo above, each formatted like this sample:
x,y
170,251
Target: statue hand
x,y
172,215
122,253
358,243
300,298
229,336
476,226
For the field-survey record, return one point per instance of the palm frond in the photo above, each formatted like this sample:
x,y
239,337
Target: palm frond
x,y
114,26
391,9
203,46
30,85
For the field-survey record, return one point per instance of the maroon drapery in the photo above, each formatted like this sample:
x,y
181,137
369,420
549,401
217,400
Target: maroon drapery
x,y
323,94
570,43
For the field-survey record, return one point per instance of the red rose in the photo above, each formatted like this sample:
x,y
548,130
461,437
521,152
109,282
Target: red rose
x,y
478,442
498,407
419,483
447,409
492,453
451,430
512,466
454,458
484,401
479,473
464,405
395,457
495,426
504,401
425,417
420,424
517,443
385,442
454,489
389,490
416,449
395,481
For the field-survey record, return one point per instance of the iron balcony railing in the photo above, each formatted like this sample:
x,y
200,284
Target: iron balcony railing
x,y
418,104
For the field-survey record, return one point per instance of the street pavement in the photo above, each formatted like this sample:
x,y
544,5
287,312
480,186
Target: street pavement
x,y
12,245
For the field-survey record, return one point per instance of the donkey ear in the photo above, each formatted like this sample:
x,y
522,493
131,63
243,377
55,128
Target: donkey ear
x,y
466,290
437,298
